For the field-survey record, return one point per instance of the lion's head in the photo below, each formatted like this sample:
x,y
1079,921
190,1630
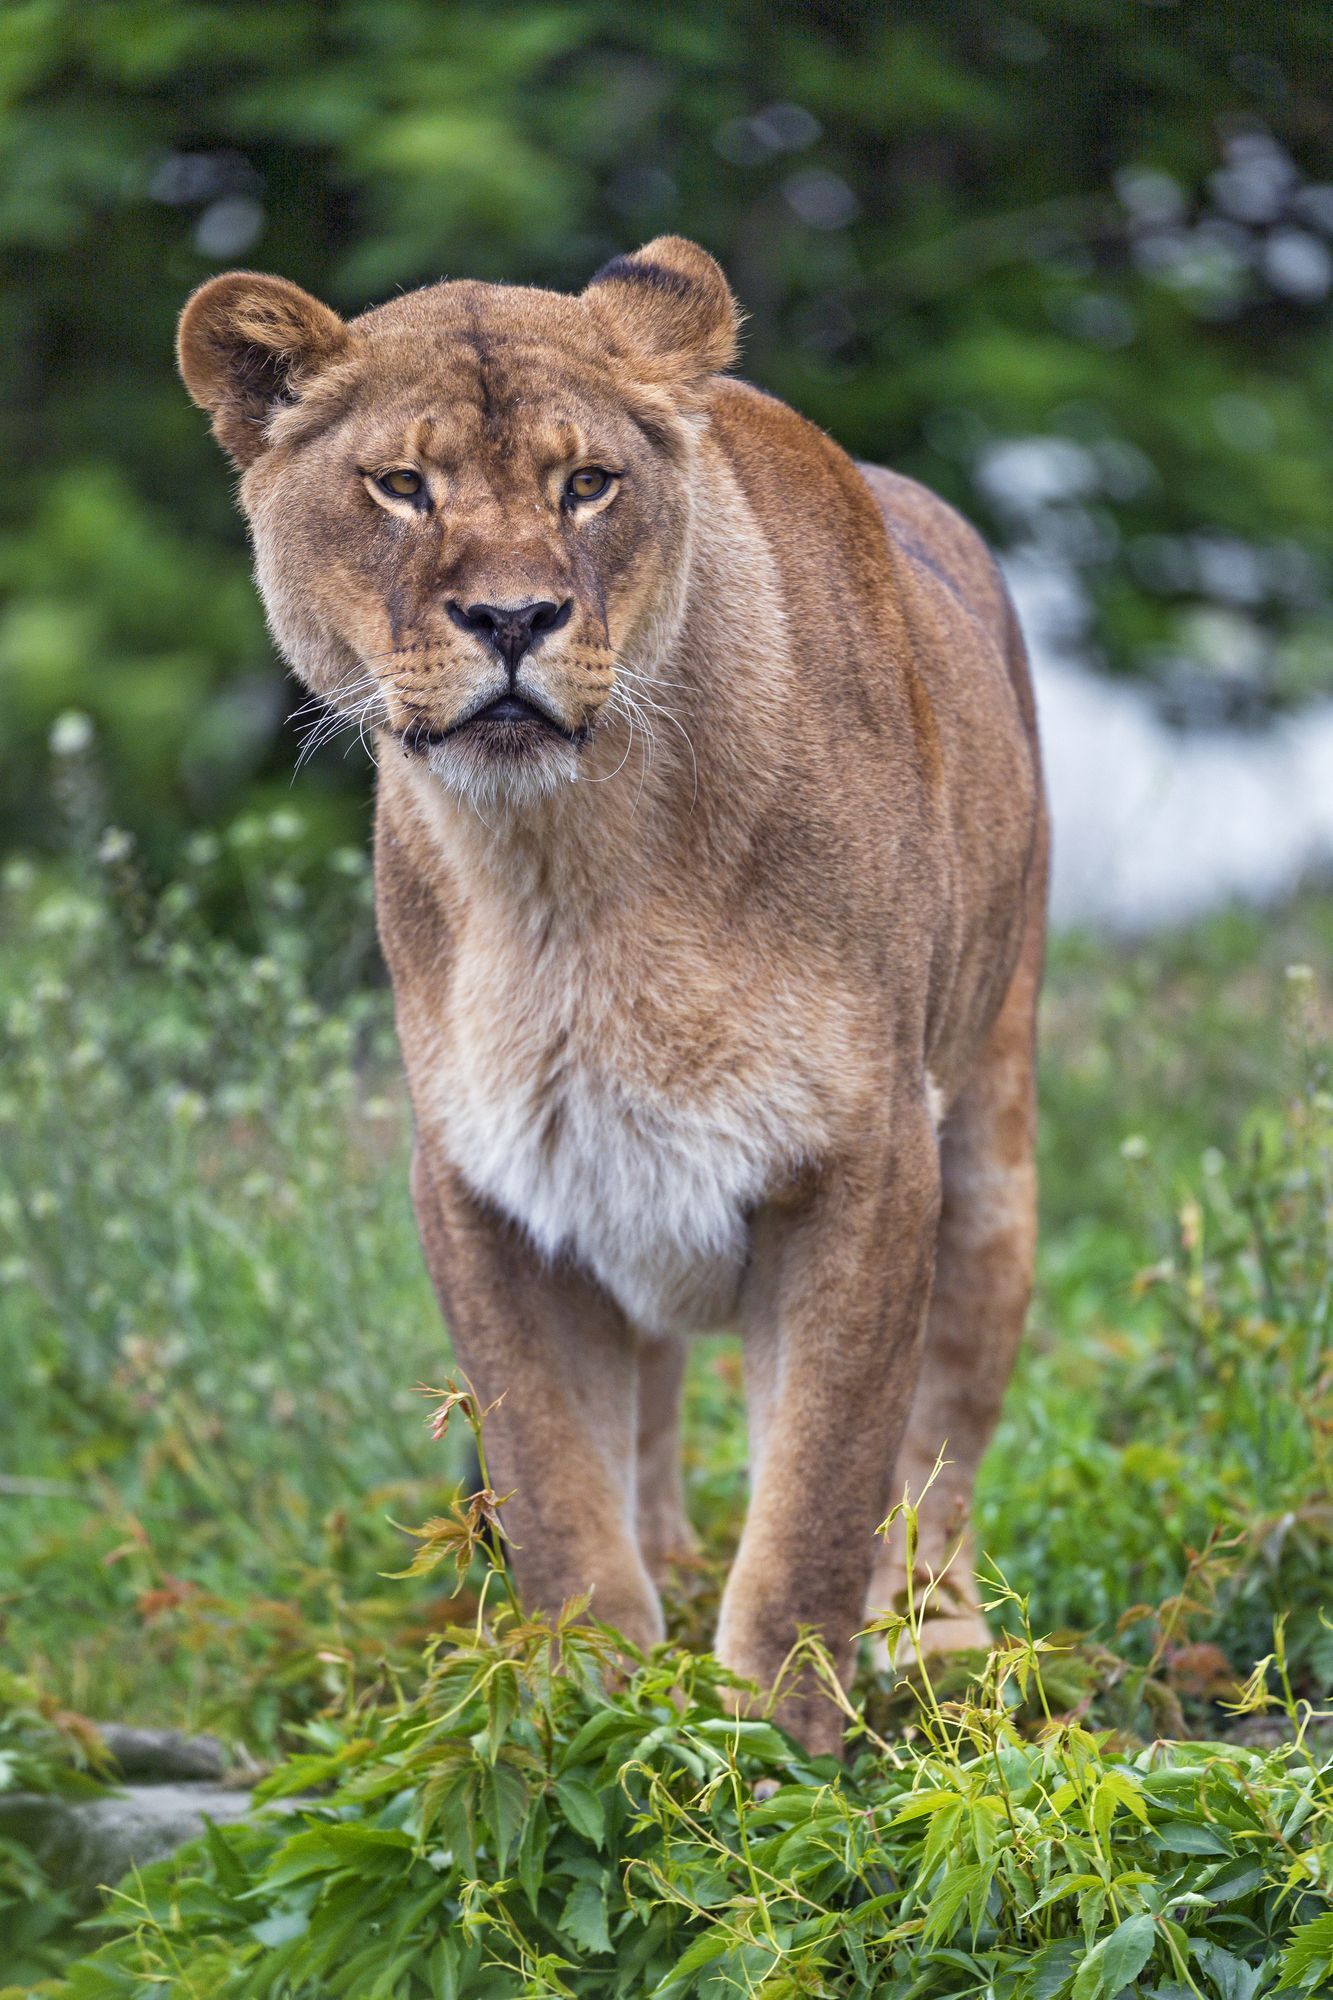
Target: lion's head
x,y
470,507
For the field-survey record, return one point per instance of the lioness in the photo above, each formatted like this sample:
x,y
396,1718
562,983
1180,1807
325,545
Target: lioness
x,y
711,870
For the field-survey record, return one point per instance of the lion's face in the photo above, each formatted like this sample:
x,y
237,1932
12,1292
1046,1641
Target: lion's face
x,y
470,507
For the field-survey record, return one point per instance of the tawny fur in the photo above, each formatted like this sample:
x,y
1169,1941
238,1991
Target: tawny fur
x,y
717,994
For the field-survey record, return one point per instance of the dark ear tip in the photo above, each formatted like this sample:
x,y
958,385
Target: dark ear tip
x,y
671,300
641,270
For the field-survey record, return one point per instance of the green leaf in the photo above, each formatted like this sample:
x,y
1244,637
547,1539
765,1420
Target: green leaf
x,y
1309,1955
1236,1879
502,1705
1066,1885
1091,1905
1187,1836
282,1927
584,1917
1127,1951
1126,1792
943,1827
1117,1960
503,1796
442,1970
232,1877
947,1902
1233,1978
748,1734
594,1734
370,1850
532,1852
919,1804
706,1950
582,1807
1051,1967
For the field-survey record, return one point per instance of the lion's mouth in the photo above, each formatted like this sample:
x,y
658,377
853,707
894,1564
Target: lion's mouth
x,y
508,715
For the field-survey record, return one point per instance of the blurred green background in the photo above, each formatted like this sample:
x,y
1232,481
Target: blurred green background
x,y
1067,260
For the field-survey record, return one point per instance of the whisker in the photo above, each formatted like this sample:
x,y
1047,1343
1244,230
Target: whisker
x,y
634,713
332,716
640,696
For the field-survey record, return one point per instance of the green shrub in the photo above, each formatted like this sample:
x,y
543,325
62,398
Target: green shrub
x,y
529,1825
43,1749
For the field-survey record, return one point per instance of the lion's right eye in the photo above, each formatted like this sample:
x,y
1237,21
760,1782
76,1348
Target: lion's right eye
x,y
403,484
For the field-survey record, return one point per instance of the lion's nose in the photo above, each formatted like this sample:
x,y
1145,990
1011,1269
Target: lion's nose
x,y
511,628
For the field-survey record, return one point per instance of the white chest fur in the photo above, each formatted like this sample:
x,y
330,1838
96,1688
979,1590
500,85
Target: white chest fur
x,y
627,1120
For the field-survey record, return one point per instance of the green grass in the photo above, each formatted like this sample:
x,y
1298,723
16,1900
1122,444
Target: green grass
x,y
213,1315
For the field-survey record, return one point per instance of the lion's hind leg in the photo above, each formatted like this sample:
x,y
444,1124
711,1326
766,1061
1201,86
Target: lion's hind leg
x,y
983,1277
665,1534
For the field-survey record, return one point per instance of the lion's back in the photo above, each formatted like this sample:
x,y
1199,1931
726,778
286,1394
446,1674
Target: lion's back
x,y
935,536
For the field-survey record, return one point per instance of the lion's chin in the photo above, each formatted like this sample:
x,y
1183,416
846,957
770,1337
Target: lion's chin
x,y
501,766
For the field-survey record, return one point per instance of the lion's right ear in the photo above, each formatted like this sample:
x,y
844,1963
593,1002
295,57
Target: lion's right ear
x,y
244,343
669,306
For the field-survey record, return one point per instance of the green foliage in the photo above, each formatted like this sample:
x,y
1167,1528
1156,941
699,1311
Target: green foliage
x,y
213,1304
951,227
212,1316
527,1826
43,1749
1216,1438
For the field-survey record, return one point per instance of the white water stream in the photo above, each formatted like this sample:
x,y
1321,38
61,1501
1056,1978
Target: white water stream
x,y
1153,823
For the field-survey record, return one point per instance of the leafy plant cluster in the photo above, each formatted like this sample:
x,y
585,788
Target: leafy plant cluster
x,y
532,1822
212,1301
1068,263
1215,1464
43,1749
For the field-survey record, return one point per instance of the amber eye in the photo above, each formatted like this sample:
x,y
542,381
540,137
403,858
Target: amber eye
x,y
404,485
587,484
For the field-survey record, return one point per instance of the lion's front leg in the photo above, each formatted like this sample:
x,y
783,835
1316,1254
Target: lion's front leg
x,y
557,1356
833,1323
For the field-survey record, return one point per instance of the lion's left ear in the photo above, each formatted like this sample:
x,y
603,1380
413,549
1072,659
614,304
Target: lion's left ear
x,y
671,309
245,343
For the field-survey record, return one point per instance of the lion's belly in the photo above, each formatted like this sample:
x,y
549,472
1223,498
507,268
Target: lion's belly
x,y
648,1189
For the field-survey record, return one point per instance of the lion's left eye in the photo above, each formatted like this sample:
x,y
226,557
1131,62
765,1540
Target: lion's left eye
x,y
587,484
403,484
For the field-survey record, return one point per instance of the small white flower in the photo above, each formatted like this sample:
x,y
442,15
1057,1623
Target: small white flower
x,y
115,845
71,733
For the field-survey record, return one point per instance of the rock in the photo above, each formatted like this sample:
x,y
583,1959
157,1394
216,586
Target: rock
x,y
163,1756
86,1844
